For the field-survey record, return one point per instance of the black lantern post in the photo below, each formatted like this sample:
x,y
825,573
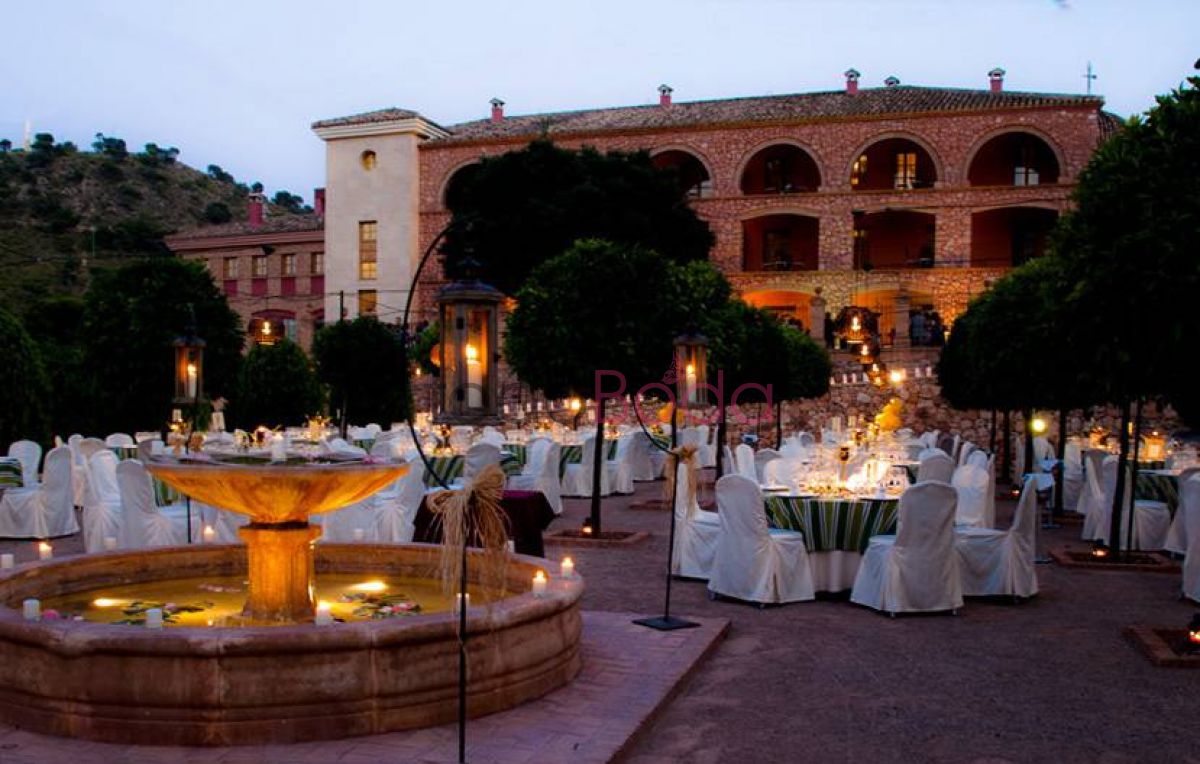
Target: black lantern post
x,y
469,349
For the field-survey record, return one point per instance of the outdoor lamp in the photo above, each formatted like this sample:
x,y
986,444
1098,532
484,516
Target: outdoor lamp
x,y
469,314
189,368
691,369
1156,447
1194,633
1037,425
1099,551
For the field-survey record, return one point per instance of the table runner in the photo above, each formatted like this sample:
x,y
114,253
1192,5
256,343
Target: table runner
x,y
449,468
831,524
1157,486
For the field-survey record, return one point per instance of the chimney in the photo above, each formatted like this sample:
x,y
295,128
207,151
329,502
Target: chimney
x,y
852,76
319,202
497,110
664,95
257,202
891,82
996,79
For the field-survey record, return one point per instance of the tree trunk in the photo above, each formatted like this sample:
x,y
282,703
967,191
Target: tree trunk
x,y
1027,459
1006,445
1137,448
1060,471
1114,528
778,425
598,457
992,439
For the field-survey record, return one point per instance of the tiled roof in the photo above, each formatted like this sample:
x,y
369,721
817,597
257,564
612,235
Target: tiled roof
x,y
867,102
366,118
273,224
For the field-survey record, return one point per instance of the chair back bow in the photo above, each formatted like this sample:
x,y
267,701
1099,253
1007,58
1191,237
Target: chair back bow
x,y
688,455
453,509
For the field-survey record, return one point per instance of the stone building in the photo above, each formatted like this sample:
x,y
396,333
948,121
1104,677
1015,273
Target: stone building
x,y
895,198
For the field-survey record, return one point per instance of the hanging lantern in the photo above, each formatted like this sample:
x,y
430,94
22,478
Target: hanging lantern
x,y
189,368
691,369
469,314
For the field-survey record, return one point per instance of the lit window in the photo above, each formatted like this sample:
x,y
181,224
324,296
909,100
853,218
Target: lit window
x,y
906,169
367,302
368,159
258,267
289,265
231,267
858,171
317,264
368,232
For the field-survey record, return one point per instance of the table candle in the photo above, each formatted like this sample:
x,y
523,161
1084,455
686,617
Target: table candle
x,y
568,567
210,534
278,449
154,618
32,609
110,543
512,546
45,551
7,561
323,617
176,415
539,584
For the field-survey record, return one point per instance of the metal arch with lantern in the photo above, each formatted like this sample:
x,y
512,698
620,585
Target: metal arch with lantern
x,y
469,317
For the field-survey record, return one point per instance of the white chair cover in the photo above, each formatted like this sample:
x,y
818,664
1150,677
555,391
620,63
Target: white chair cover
x,y
806,440
707,452
396,510
730,465
478,457
964,452
491,436
696,533
1177,536
1072,474
44,510
89,446
545,454
917,569
142,523
745,462
1151,519
621,468
102,505
643,458
935,465
762,458
971,483
118,439
1189,507
577,477
752,561
29,454
995,562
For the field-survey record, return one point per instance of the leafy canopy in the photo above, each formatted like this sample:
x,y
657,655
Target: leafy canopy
x,y
23,405
276,386
363,363
520,209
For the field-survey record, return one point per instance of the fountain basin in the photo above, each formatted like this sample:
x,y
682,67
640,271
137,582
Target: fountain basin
x,y
272,684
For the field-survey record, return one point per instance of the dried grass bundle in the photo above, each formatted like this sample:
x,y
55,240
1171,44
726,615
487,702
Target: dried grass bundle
x,y
453,509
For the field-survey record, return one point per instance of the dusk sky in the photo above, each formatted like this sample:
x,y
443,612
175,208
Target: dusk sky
x,y
238,83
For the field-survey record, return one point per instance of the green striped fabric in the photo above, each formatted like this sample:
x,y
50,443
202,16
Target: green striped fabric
x,y
450,468
1155,486
165,495
10,473
833,524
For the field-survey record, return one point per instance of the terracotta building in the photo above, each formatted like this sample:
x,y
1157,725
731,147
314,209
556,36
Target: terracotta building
x,y
896,198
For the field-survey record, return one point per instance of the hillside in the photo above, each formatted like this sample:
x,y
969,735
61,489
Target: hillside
x,y
62,208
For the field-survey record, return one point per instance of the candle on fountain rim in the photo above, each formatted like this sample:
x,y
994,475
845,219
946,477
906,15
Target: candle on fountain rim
x,y
110,543
568,568
7,561
209,534
154,618
31,609
360,534
45,551
458,601
539,584
324,614
278,448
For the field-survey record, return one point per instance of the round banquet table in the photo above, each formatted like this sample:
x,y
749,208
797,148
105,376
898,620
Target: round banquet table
x,y
528,515
836,531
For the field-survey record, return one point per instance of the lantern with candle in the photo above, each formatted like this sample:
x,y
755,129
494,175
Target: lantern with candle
x,y
189,368
468,350
1156,447
691,369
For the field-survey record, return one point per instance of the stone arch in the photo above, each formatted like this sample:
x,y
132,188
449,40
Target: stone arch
x,y
939,165
790,303
695,154
1055,148
758,148
453,174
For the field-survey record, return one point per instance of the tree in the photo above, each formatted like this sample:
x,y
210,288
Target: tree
x,y
363,363
599,306
276,386
217,213
58,334
520,209
216,173
288,201
23,380
131,317
1129,250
